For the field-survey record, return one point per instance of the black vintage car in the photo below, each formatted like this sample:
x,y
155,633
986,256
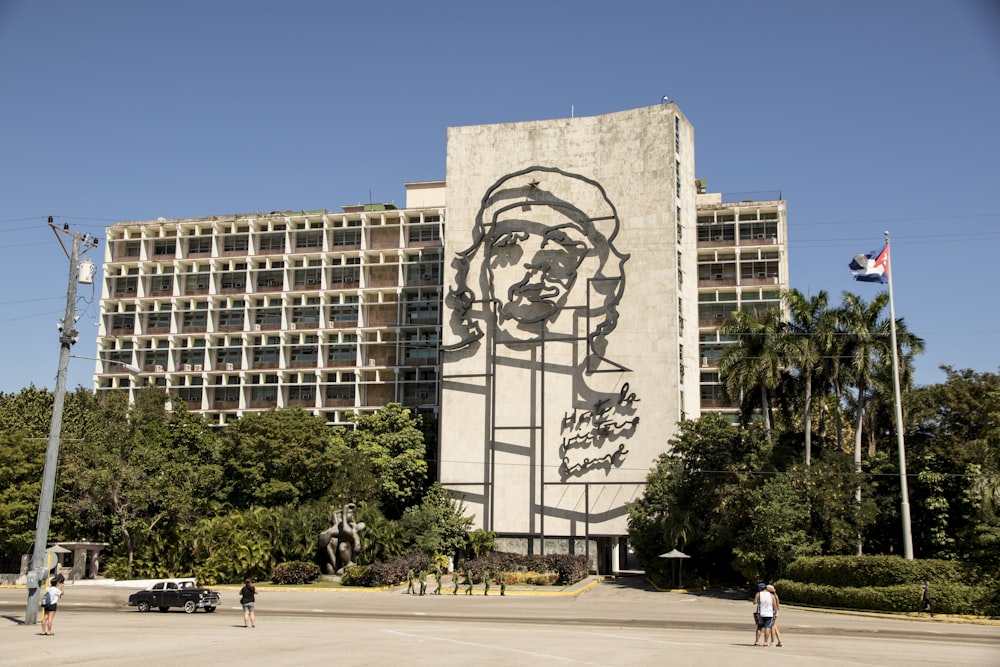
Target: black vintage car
x,y
168,593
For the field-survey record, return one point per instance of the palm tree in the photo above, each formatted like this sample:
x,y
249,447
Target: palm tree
x,y
867,343
755,361
810,341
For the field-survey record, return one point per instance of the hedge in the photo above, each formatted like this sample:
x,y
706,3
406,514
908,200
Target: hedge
x,y
378,575
889,583
568,569
294,573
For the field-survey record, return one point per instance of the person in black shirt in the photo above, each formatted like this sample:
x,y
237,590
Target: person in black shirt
x,y
248,595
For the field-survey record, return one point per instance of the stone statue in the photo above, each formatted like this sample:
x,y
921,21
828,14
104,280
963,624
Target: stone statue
x,y
340,543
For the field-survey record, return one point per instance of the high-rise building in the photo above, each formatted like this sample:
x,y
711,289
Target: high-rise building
x,y
561,322
742,265
569,333
336,312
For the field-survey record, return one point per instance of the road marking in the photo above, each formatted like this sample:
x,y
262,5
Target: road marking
x,y
489,646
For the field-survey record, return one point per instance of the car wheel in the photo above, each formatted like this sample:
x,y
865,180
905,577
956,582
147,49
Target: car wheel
x,y
164,608
143,606
190,607
209,609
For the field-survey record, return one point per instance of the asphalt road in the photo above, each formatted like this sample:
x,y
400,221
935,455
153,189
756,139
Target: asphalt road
x,y
617,622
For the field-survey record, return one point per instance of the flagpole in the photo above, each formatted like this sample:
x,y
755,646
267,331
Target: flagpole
x,y
904,506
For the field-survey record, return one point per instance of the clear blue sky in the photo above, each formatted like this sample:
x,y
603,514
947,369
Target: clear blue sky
x,y
867,115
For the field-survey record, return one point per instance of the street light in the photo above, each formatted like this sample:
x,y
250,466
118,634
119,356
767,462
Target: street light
x,y
133,370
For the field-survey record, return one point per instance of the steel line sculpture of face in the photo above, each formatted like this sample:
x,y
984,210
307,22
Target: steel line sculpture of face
x,y
532,266
542,263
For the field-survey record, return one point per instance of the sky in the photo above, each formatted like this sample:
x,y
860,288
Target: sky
x,y
867,115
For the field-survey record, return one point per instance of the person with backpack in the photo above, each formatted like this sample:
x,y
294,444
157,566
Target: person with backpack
x,y
50,602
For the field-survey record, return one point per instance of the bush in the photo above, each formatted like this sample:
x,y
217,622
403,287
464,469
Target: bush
x,y
567,569
378,575
294,573
948,598
862,571
889,583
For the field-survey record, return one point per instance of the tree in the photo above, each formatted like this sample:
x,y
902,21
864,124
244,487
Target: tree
x,y
811,341
755,362
438,525
693,494
867,344
21,461
393,442
280,457
134,473
954,446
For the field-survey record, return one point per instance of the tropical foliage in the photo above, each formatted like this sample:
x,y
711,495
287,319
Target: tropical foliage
x,y
174,496
812,466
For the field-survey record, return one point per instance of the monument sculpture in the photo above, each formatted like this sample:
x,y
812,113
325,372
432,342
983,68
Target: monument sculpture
x,y
340,544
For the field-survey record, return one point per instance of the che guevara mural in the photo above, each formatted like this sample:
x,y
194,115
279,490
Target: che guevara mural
x,y
551,374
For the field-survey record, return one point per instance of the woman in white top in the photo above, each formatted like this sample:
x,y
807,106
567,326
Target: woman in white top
x,y
50,602
767,607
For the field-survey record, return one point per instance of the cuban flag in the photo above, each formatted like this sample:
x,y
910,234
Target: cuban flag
x,y
872,267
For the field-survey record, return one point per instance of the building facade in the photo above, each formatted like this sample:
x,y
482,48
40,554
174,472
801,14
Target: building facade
x,y
742,265
561,322
335,312
569,332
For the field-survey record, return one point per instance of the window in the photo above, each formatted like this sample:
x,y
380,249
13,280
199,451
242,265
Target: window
x,y
163,247
424,233
271,242
311,278
158,320
298,392
270,279
340,392
347,237
195,318
200,245
265,355
340,275
266,394
267,316
304,353
308,240
123,321
229,355
345,314
236,243
231,317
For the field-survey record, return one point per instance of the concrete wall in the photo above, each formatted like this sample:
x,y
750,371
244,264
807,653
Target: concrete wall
x,y
561,371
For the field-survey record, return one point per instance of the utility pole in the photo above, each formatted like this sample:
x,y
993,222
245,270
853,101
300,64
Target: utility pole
x,y
39,570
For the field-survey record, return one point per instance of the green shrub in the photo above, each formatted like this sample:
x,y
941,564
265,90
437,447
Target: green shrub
x,y
294,573
377,575
948,598
877,571
567,569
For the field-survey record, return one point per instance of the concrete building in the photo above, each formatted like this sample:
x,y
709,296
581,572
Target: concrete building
x,y
336,312
742,265
570,327
561,322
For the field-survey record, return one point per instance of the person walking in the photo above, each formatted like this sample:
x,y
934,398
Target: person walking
x,y
767,606
468,582
437,580
486,583
248,597
926,604
409,581
777,603
50,602
423,581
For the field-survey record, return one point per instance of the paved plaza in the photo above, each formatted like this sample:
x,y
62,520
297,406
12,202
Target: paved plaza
x,y
616,622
